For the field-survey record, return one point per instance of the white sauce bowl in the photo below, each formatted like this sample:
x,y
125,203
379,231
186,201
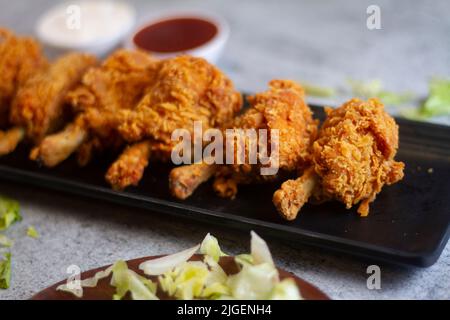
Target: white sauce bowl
x,y
89,26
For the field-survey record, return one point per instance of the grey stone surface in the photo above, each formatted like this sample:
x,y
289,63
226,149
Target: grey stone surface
x,y
323,42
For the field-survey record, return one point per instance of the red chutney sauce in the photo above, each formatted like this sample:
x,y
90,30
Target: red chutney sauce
x,y
174,35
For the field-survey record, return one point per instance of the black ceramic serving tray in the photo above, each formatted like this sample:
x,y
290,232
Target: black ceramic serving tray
x,y
408,223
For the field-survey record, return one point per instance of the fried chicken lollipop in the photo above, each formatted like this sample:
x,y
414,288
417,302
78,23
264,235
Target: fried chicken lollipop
x,y
118,83
352,159
38,106
185,89
20,57
281,108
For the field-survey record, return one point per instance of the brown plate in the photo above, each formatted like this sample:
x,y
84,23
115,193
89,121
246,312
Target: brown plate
x,y
104,291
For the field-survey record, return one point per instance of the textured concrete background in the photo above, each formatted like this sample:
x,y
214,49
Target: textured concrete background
x,y
323,42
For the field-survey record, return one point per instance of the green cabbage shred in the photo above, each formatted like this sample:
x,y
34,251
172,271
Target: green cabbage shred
x,y
257,277
9,212
5,271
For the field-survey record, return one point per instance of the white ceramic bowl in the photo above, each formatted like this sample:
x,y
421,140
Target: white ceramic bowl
x,y
103,25
210,50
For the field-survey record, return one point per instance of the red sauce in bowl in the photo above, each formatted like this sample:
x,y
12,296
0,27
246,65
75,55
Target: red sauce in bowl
x,y
174,35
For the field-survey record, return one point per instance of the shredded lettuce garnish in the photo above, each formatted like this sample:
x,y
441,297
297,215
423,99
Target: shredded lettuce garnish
x,y
392,98
5,241
260,251
195,280
187,281
253,282
318,91
5,271
244,259
286,289
365,89
374,88
32,232
437,103
158,266
123,279
210,247
76,287
126,280
9,212
180,278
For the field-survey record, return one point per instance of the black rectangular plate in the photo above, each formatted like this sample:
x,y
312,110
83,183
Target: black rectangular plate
x,y
408,223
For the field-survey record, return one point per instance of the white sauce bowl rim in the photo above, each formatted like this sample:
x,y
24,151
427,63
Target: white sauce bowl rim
x,y
98,41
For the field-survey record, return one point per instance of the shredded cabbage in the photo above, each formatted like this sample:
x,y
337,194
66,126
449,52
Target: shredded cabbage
x,y
216,273
77,288
123,279
253,282
260,251
244,259
438,101
216,282
126,280
5,271
9,212
318,91
92,282
210,246
367,89
286,289
182,279
196,279
156,267
32,232
186,281
374,88
5,241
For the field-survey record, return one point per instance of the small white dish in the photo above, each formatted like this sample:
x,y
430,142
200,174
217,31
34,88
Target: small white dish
x,y
90,26
210,50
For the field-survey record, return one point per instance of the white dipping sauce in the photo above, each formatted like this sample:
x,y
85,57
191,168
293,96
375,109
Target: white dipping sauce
x,y
93,26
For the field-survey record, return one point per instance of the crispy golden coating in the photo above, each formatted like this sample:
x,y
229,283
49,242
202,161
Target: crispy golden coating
x,y
130,166
118,83
353,158
185,89
112,104
354,155
39,104
20,57
38,108
9,139
281,108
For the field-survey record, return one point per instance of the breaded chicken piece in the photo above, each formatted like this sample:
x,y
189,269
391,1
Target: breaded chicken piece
x,y
20,57
129,167
185,89
118,83
39,106
352,159
281,109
